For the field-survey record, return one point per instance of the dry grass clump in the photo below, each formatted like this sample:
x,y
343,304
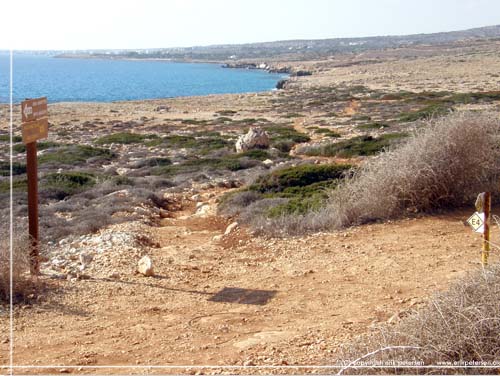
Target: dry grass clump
x,y
20,263
456,327
443,166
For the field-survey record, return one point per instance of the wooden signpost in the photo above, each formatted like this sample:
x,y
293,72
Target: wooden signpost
x,y
34,126
480,222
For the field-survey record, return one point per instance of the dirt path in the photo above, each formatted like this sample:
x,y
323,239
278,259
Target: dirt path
x,y
243,300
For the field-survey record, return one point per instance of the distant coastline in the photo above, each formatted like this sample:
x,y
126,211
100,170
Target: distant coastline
x,y
99,79
271,68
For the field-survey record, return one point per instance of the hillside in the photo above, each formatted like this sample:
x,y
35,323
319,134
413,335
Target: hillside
x,y
295,49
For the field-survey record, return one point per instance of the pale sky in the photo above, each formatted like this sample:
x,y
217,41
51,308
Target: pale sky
x,y
120,24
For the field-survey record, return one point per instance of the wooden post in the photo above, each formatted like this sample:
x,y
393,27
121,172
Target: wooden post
x,y
31,170
486,235
34,127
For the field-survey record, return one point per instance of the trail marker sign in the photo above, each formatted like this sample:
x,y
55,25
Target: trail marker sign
x,y
35,125
33,109
34,116
35,130
476,221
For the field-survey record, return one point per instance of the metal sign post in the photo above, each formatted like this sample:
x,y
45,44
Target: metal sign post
x,y
34,127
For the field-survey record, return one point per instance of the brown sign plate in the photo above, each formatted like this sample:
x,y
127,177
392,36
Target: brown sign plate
x,y
35,130
33,109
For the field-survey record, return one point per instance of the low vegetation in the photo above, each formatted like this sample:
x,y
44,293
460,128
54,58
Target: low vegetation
x,y
443,166
75,154
124,138
60,185
21,285
327,132
284,138
427,112
17,168
459,325
353,147
284,191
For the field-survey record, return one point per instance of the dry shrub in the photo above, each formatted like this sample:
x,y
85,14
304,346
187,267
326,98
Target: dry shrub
x,y
459,325
20,265
290,224
443,166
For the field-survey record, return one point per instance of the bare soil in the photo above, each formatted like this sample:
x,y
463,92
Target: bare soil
x,y
243,300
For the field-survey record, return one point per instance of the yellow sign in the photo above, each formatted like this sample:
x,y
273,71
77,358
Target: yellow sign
x,y
35,130
476,221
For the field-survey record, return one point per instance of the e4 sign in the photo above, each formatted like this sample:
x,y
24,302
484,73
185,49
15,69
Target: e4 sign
x,y
476,221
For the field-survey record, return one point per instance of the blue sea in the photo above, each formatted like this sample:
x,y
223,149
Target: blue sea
x,y
101,80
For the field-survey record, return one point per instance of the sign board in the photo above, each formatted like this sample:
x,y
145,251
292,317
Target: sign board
x,y
35,125
35,130
476,221
33,109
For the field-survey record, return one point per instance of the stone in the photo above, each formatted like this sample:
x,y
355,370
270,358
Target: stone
x,y
164,213
217,238
85,260
268,162
200,204
162,108
122,171
145,266
256,138
204,210
231,228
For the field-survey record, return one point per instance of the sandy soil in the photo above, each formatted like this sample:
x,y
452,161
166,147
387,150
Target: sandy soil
x,y
247,300
244,300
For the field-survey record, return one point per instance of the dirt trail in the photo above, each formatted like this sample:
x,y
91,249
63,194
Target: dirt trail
x,y
244,299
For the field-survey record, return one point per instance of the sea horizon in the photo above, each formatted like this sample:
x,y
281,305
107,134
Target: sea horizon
x,y
118,80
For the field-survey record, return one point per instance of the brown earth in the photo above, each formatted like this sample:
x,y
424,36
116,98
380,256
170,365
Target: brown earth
x,y
243,300
247,300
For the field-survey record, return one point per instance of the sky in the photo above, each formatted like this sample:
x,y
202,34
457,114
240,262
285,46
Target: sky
x,y
134,24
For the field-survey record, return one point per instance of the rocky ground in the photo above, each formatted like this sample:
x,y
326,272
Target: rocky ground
x,y
220,294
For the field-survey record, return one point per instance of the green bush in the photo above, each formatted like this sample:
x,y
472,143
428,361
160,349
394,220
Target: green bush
x,y
40,145
299,176
124,138
257,154
61,185
425,113
6,138
17,168
74,154
283,145
327,132
198,165
278,133
288,191
302,199
153,162
17,185
356,146
204,145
